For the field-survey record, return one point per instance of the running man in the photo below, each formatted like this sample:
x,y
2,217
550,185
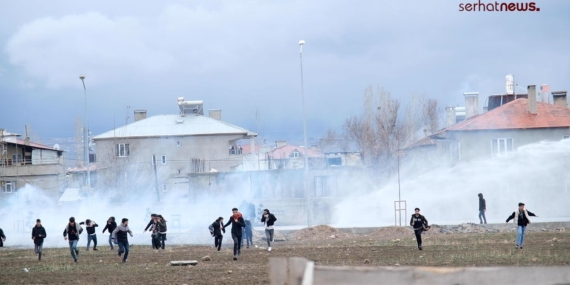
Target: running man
x,y
150,226
217,228
91,234
38,235
237,224
73,230
122,238
482,209
110,227
2,238
269,220
521,220
420,224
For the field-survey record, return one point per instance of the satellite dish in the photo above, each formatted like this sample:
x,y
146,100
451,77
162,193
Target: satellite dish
x,y
56,147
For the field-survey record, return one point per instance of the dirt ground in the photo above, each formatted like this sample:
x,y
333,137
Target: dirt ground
x,y
325,246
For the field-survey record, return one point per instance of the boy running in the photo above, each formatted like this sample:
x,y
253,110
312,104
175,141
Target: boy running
x,y
91,234
73,230
237,224
122,239
420,224
38,235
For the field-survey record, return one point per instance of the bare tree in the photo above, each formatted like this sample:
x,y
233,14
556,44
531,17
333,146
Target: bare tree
x,y
431,115
332,140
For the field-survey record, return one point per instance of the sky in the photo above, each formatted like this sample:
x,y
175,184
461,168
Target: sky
x,y
242,56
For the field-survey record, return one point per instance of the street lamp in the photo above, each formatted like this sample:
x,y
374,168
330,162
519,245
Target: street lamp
x,y
306,173
86,136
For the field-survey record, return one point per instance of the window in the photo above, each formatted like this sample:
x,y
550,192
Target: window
x,y
177,143
8,186
334,161
122,149
16,158
163,159
501,147
164,187
296,153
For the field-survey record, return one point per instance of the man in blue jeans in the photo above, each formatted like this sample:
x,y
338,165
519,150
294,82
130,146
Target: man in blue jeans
x,y
482,209
71,233
521,219
120,233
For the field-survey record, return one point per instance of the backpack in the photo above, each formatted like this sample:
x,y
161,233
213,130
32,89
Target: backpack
x,y
211,229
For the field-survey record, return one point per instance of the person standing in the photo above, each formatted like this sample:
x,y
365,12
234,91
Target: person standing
x,y
91,234
2,238
110,227
482,209
71,233
521,219
38,235
237,224
269,220
420,224
150,225
247,233
217,229
120,233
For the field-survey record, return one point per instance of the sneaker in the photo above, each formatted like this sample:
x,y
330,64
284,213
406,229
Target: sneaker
x,y
269,249
420,247
75,260
125,261
235,257
95,249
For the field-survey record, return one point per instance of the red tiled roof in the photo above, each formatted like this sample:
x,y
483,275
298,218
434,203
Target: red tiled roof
x,y
286,150
247,147
515,115
423,142
36,145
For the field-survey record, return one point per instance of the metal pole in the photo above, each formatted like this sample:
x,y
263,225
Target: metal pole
x,y
155,177
399,196
86,140
306,172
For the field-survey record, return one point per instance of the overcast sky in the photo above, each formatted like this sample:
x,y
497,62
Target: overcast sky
x,y
239,55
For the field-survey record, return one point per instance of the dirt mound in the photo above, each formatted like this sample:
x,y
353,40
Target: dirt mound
x,y
390,232
321,232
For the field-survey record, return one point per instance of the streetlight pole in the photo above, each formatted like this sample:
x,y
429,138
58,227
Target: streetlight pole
x,y
306,172
86,136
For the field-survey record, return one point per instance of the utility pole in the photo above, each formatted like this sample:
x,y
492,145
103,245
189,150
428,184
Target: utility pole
x,y
155,177
86,140
306,172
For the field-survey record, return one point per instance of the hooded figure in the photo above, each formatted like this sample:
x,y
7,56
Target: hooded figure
x,y
482,209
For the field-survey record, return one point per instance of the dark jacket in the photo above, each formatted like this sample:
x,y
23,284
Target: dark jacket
x,y
418,222
270,219
482,204
73,232
38,234
110,227
236,226
90,228
2,236
120,233
218,228
149,224
161,226
522,219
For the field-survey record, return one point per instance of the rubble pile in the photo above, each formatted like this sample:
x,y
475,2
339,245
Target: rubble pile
x,y
321,232
390,232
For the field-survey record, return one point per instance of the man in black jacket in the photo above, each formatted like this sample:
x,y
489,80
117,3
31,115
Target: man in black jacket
x,y
91,234
269,220
482,209
2,238
38,235
110,227
521,220
150,225
73,230
420,224
218,227
237,224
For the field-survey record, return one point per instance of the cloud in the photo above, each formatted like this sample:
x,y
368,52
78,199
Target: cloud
x,y
58,50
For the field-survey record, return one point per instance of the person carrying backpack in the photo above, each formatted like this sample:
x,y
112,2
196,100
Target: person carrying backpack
x,y
216,229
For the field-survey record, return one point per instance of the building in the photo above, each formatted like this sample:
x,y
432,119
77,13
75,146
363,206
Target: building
x,y
286,156
162,150
499,131
24,162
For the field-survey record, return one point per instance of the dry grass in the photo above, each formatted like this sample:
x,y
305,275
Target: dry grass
x,y
148,267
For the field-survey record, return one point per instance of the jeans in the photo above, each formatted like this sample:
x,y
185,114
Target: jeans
x,y
162,238
73,249
418,234
269,236
482,214
237,243
520,235
218,241
124,248
92,238
110,241
38,250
